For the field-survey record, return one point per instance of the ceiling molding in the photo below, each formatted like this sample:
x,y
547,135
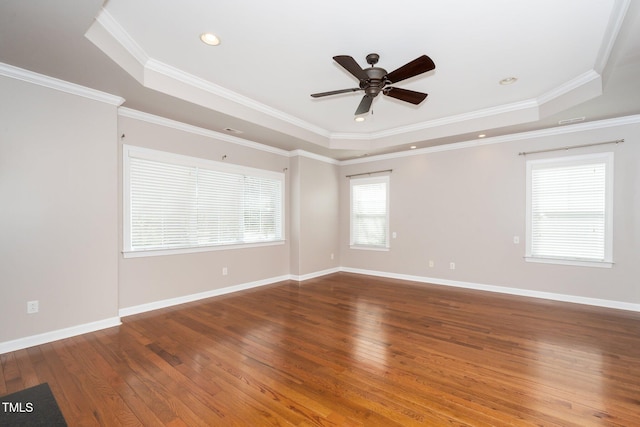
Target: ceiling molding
x,y
174,124
114,40
217,90
118,45
455,119
108,35
303,153
113,27
567,87
611,34
59,85
562,90
555,131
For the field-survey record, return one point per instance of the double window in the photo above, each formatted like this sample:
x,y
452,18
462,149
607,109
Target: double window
x,y
370,213
175,204
569,210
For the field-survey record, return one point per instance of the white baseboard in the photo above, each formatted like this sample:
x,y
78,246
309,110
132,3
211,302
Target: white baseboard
x,y
300,278
59,334
128,311
501,289
142,308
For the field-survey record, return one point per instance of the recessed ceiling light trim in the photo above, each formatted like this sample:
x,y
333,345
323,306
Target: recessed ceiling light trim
x,y
210,39
508,81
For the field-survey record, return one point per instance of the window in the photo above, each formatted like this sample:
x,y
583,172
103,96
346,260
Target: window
x,y
569,210
175,204
370,213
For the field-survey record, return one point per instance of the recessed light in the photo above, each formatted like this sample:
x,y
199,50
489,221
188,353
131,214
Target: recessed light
x,y
210,39
359,119
482,135
508,81
413,147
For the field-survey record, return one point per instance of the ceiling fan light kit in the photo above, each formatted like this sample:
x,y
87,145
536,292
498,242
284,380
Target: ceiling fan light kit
x,y
374,80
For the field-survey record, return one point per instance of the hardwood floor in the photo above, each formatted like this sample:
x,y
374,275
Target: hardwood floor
x,y
347,350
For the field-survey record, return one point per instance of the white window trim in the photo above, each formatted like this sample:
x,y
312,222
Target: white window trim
x,y
129,151
607,158
356,181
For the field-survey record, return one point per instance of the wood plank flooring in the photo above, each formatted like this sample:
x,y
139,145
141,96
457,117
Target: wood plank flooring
x,y
347,350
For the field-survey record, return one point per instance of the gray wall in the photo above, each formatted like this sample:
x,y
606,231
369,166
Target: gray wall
x,y
150,279
315,219
466,205
61,216
58,210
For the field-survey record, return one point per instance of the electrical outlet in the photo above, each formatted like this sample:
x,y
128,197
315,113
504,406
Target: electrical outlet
x,y
452,266
331,256
225,271
516,240
33,307
431,263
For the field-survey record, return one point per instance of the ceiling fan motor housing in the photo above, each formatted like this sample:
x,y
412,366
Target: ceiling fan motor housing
x,y
374,84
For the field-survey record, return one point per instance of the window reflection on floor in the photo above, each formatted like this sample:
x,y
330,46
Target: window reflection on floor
x,y
370,343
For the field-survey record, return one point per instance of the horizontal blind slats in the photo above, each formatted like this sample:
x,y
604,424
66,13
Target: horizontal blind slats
x,y
369,214
568,211
180,206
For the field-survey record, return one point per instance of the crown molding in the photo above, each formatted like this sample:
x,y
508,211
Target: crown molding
x,y
154,74
174,124
611,33
151,65
443,121
118,33
565,88
59,85
555,131
217,90
534,103
303,153
458,118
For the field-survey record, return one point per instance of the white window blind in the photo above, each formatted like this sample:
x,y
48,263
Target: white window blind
x,y
178,202
370,212
569,209
163,204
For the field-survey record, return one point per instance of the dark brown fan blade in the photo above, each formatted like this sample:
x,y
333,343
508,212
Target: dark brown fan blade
x,y
335,92
405,95
365,105
350,64
417,66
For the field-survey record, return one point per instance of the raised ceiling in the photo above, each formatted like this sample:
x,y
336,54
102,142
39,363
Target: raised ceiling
x,y
571,59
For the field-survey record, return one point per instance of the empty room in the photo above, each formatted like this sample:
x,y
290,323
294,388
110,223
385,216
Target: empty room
x,y
320,213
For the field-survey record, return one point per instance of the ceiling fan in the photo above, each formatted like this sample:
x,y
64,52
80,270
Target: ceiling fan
x,y
374,80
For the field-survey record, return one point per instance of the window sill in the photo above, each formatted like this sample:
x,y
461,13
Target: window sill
x,y
574,262
371,248
177,251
